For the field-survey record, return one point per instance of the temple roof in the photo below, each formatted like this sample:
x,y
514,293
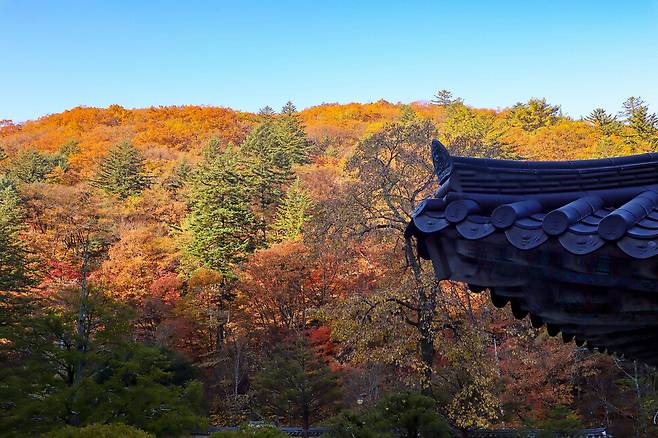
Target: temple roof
x,y
574,243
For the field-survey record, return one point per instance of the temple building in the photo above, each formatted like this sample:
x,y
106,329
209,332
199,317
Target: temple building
x,y
572,244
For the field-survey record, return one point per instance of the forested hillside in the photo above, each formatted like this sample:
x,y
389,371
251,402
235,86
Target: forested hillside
x,y
174,267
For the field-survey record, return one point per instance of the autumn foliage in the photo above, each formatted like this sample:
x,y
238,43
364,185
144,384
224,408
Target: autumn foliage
x,y
243,250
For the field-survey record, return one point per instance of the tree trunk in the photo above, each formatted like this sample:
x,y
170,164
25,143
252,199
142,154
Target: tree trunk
x,y
306,420
220,333
640,425
82,332
427,350
426,314
236,368
82,329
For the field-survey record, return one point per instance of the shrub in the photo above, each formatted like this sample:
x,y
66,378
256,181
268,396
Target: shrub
x,y
399,415
113,430
251,432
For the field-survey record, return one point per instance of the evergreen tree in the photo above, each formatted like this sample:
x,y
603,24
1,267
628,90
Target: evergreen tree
x,y
606,123
643,134
292,214
289,109
178,178
472,133
600,118
445,98
69,148
644,124
631,106
112,430
221,223
212,149
121,172
30,166
269,167
296,383
293,136
407,414
266,111
122,381
271,150
65,152
407,114
14,273
534,114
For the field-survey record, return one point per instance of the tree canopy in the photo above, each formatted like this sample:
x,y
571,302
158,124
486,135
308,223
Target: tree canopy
x,y
166,268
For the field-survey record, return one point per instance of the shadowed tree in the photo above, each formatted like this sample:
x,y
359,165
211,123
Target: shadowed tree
x,y
13,264
403,415
295,382
122,381
72,230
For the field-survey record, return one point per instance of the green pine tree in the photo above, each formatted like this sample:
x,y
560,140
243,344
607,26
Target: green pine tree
x,y
121,172
268,165
445,98
601,119
30,166
43,388
641,134
296,384
65,152
407,414
534,114
631,106
220,222
14,272
644,125
179,177
69,148
98,430
271,150
289,109
266,111
292,214
293,136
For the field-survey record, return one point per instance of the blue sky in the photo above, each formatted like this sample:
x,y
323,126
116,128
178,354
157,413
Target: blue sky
x,y
245,55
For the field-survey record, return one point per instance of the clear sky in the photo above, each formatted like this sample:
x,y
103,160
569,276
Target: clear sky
x,y
581,54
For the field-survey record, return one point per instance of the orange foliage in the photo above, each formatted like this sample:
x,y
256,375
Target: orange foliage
x,y
176,128
283,285
566,140
166,132
135,261
342,125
